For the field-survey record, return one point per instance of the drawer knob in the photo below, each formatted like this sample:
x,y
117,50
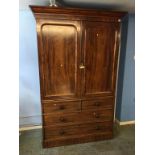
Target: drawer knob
x,y
96,115
97,128
61,107
61,132
97,104
62,119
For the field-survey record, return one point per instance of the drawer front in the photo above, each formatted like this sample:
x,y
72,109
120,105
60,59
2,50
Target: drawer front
x,y
63,107
81,129
98,103
79,117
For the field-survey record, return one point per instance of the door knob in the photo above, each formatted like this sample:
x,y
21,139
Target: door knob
x,y
81,66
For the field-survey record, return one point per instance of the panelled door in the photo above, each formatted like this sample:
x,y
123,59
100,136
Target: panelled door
x,y
59,58
100,52
72,66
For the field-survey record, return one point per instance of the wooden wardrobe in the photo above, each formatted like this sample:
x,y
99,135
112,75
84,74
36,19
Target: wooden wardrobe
x,y
78,53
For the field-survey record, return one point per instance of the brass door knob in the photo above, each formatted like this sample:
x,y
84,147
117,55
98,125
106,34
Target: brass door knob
x,y
81,66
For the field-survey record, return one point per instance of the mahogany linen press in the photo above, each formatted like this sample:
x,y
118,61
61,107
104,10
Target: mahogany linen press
x,y
78,53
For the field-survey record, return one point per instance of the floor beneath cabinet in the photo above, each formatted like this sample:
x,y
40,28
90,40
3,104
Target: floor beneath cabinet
x,y
123,143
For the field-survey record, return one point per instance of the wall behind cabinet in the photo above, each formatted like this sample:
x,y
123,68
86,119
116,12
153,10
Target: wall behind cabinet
x,y
29,95
125,105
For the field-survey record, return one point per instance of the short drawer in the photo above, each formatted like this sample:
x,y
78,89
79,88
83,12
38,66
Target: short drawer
x,y
74,130
98,103
79,117
70,106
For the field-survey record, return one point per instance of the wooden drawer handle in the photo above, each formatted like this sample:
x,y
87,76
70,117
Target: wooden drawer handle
x,y
97,104
61,107
61,132
62,119
96,115
97,128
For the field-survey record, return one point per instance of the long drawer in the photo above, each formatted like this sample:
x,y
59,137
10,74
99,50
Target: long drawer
x,y
77,139
78,117
63,107
98,103
55,132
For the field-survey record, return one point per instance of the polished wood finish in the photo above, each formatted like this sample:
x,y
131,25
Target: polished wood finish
x,y
75,118
76,13
78,57
63,107
99,55
56,132
77,139
60,43
107,102
60,67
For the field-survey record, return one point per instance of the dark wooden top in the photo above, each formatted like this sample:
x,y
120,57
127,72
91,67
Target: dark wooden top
x,y
75,11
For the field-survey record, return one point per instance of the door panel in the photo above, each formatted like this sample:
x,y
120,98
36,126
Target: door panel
x,y
100,53
60,59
